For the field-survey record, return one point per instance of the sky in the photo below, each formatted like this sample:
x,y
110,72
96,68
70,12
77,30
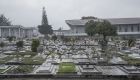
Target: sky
x,y
29,12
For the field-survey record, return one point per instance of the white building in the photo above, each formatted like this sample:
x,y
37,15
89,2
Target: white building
x,y
16,31
126,27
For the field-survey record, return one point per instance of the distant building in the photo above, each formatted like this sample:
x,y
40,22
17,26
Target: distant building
x,y
29,32
16,31
126,27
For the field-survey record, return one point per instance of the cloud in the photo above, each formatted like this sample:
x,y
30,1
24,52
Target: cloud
x,y
28,12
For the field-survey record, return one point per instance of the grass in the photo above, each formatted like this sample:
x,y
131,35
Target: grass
x,y
4,60
1,70
23,53
37,60
67,68
21,69
130,60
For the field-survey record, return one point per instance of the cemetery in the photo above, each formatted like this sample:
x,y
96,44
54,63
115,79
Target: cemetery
x,y
92,48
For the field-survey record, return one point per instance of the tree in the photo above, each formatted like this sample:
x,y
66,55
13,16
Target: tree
x,y
91,28
35,45
131,42
10,38
4,21
45,28
54,37
2,44
19,45
103,28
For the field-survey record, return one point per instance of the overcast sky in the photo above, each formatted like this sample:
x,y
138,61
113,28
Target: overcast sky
x,y
28,12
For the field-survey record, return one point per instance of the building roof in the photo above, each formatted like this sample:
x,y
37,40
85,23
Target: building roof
x,y
124,20
76,22
12,26
113,21
79,21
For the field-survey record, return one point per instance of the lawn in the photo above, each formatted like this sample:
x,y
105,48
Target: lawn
x,y
130,60
4,60
67,68
22,69
23,53
1,70
36,60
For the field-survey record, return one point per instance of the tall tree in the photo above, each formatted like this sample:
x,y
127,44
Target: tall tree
x,y
19,45
54,38
91,28
103,28
45,28
4,21
35,45
2,44
10,38
131,42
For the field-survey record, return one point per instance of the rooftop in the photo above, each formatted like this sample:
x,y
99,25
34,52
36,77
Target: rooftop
x,y
113,21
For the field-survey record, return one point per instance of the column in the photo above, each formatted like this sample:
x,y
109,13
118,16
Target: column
x,y
0,33
9,32
19,32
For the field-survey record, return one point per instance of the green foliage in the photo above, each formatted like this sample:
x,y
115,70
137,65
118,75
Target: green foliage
x,y
22,69
91,28
35,45
33,61
22,53
131,42
5,59
102,28
89,17
10,38
2,44
106,29
19,44
4,21
67,68
45,29
130,60
54,37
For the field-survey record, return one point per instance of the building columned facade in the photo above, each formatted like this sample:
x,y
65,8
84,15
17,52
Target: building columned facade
x,y
16,31
126,27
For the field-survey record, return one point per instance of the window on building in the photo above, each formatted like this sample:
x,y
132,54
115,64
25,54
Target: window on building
x,y
132,28
120,28
138,28
126,30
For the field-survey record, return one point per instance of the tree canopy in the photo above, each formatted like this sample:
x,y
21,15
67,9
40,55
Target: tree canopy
x,y
35,45
45,29
103,28
4,21
2,44
54,37
91,28
19,44
106,29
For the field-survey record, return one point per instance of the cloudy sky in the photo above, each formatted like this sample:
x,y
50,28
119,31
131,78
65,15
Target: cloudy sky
x,y
28,12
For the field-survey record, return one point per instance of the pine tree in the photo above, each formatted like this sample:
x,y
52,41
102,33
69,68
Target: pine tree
x,y
45,28
4,21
